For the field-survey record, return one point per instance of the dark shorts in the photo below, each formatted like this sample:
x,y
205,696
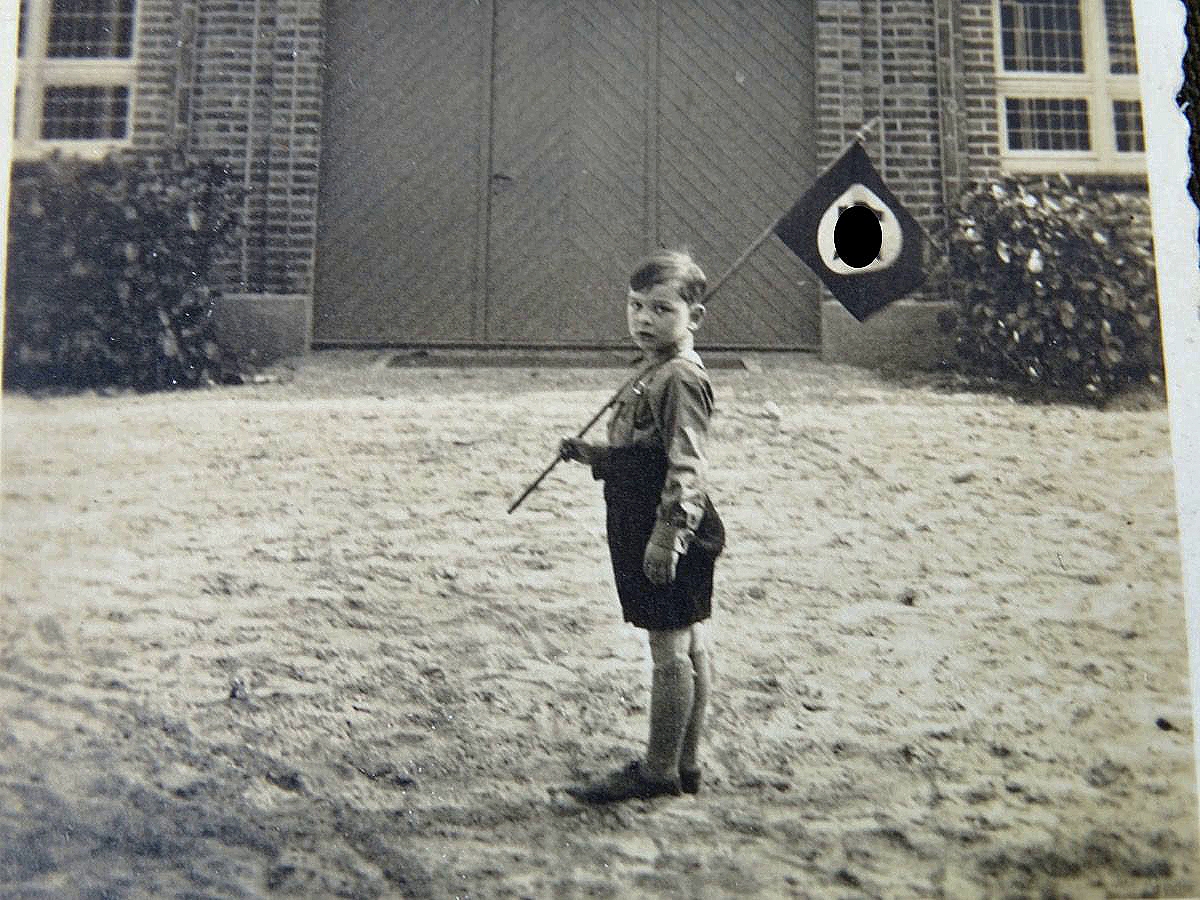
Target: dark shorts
x,y
633,485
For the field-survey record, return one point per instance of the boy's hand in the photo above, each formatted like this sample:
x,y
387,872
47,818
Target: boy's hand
x,y
659,564
579,450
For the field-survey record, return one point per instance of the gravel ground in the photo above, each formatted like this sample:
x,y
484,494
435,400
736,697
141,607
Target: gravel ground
x,y
282,640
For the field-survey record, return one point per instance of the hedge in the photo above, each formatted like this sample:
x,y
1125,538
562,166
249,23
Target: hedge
x,y
1056,286
110,268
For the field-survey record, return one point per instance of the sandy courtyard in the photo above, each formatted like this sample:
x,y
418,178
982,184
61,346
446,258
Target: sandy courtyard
x,y
282,640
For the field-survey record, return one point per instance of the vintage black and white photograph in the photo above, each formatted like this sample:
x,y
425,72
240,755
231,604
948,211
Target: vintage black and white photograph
x,y
597,448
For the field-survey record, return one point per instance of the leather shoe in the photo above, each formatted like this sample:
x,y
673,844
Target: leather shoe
x,y
689,781
629,783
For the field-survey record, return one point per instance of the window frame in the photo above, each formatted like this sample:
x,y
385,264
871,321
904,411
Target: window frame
x,y
36,71
1096,85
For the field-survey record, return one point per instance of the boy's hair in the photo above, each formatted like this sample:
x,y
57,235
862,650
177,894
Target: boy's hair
x,y
673,267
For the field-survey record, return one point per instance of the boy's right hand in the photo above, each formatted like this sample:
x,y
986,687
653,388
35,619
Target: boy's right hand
x,y
579,450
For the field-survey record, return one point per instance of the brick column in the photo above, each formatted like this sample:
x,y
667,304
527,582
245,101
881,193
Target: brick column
x,y
154,106
981,127
294,146
248,94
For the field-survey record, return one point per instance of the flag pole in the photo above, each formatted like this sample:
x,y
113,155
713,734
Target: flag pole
x,y
582,431
737,264
867,128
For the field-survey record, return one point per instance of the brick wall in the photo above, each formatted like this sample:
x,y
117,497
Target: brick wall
x,y
158,55
239,81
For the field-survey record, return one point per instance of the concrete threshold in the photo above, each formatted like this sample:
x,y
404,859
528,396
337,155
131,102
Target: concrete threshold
x,y
541,359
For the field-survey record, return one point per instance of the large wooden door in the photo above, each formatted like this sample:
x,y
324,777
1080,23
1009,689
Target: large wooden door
x,y
491,169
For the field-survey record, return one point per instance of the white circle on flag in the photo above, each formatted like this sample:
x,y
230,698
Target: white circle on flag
x,y
892,237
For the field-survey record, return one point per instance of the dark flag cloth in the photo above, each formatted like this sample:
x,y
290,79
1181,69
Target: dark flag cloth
x,y
864,285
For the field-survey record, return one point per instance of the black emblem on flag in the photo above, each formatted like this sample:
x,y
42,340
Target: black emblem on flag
x,y
856,236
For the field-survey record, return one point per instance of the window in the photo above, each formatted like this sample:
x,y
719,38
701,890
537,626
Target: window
x,y
75,76
1127,123
1047,123
1068,88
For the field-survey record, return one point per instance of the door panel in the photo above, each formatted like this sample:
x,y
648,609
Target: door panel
x,y
491,170
568,157
399,222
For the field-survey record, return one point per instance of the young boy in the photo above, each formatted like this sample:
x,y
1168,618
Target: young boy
x,y
663,533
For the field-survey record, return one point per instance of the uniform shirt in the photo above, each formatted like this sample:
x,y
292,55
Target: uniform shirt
x,y
668,409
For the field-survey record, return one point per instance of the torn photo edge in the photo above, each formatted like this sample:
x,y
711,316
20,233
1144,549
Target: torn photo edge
x,y
1161,44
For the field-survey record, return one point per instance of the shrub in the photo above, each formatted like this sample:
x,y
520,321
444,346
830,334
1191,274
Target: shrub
x,y
1056,289
109,268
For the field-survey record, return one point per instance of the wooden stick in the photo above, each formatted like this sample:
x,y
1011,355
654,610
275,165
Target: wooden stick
x,y
582,431
737,263
867,128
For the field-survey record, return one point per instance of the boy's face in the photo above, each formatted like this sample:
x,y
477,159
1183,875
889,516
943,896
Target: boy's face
x,y
659,319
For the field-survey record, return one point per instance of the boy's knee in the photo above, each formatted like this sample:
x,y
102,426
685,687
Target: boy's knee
x,y
670,650
700,654
675,666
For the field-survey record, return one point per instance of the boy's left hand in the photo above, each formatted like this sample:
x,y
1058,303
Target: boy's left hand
x,y
659,564
573,448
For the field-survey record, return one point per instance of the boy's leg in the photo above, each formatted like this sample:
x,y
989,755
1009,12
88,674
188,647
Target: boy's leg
x,y
672,693
702,684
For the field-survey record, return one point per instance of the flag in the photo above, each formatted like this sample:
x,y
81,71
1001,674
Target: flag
x,y
856,236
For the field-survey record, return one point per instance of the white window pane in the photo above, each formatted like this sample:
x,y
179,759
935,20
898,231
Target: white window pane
x,y
91,29
1047,123
1041,35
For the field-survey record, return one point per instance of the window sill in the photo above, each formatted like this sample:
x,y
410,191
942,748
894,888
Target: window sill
x,y
1134,166
26,151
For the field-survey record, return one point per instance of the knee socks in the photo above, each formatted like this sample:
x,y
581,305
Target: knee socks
x,y
702,684
679,691
671,698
